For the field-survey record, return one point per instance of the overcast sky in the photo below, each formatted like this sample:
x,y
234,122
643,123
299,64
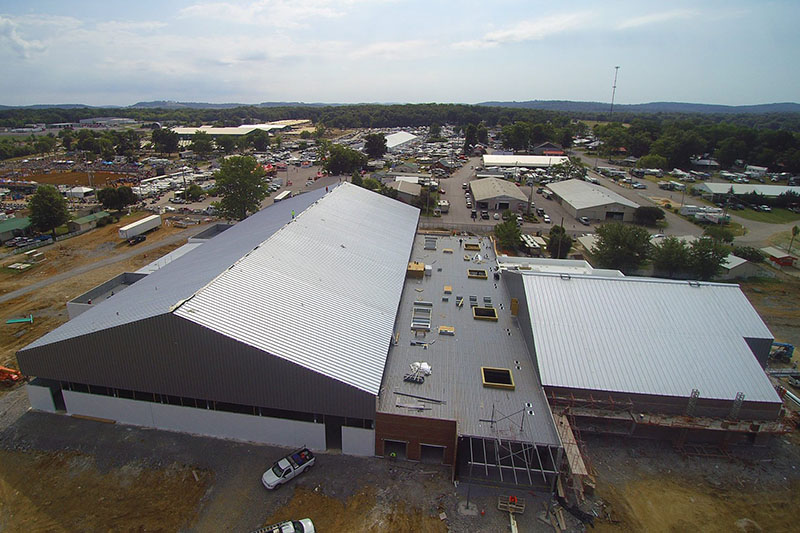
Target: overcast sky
x,y
251,51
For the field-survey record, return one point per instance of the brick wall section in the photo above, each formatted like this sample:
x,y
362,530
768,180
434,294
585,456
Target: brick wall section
x,y
416,430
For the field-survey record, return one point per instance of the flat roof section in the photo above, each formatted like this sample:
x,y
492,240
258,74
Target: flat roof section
x,y
457,359
529,161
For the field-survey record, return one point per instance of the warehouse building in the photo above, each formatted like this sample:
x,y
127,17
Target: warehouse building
x,y
235,339
527,161
632,372
720,191
595,202
497,194
399,140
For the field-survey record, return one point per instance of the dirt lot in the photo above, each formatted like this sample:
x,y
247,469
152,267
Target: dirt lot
x,y
73,494
99,179
48,306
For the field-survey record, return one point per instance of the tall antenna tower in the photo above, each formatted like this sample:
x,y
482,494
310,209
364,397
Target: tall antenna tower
x,y
613,92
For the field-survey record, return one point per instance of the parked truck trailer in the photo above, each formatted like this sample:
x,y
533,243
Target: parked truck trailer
x,y
140,226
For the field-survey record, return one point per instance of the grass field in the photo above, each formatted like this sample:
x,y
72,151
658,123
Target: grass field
x,y
776,216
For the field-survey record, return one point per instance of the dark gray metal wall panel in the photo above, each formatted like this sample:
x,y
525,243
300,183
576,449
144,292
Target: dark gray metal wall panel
x,y
516,289
170,355
760,349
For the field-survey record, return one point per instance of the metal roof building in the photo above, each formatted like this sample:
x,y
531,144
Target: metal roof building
x,y
770,191
528,161
494,193
396,140
236,337
595,202
650,340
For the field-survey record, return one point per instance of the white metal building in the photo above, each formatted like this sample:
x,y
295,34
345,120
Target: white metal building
x,y
528,161
395,141
595,202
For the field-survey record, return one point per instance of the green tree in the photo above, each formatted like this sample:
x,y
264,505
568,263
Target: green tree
x,y
648,215
202,144
343,160
45,143
670,256
652,161
67,139
706,258
753,255
560,243
470,138
260,140
621,246
483,135
719,234
795,231
48,209
305,134
116,198
194,192
435,130
240,184
375,145
226,143
508,234
164,140
277,141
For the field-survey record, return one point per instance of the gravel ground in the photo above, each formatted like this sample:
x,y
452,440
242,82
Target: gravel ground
x,y
236,500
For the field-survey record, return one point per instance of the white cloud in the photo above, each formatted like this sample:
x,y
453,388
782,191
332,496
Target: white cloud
x,y
655,18
394,50
9,34
275,13
529,30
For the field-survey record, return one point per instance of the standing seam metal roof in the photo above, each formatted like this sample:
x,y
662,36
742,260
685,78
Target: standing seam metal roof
x,y
486,188
157,293
581,194
647,336
323,291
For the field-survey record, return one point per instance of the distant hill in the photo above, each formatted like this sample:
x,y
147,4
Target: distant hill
x,y
652,107
169,104
56,106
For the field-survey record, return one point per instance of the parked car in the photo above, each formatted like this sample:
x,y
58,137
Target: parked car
x,y
485,215
639,185
546,219
496,216
584,221
136,239
474,214
287,468
304,525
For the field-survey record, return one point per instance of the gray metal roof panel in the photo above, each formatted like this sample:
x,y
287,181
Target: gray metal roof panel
x,y
323,291
161,290
581,194
456,360
646,336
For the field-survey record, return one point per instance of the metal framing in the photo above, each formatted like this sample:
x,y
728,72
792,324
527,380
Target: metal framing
x,y
506,461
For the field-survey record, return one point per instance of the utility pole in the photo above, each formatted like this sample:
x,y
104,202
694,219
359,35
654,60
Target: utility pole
x,y
613,92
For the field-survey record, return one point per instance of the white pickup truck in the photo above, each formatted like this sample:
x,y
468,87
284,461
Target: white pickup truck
x,y
304,525
290,466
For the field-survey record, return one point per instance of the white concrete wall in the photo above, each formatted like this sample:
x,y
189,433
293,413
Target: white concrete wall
x,y
358,441
41,398
206,422
121,410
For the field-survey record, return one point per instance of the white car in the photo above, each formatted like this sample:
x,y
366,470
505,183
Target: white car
x,y
496,216
304,525
546,219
